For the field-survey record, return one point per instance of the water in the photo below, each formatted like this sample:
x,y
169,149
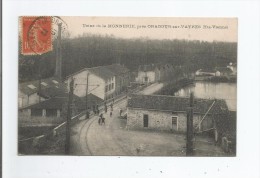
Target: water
x,y
209,90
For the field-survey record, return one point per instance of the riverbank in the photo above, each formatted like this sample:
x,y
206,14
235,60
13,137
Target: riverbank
x,y
212,90
217,79
172,87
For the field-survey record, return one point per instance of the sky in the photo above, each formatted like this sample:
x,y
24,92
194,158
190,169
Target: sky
x,y
203,29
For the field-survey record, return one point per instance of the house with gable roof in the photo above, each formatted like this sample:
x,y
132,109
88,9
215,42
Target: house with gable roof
x,y
33,92
104,82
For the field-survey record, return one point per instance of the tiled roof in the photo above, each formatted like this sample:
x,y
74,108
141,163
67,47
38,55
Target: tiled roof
x,y
105,72
58,102
92,100
53,85
53,92
52,103
175,104
102,72
117,69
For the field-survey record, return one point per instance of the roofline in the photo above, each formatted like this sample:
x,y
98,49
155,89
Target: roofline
x,y
169,110
87,69
27,94
90,73
183,97
37,80
28,107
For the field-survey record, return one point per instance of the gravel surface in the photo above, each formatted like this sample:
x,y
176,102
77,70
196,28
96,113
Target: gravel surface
x,y
112,139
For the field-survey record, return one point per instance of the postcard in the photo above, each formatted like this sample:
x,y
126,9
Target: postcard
x,y
127,86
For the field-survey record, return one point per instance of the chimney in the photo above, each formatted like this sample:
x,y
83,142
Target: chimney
x,y
58,70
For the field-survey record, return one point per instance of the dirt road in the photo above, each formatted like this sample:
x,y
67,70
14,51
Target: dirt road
x,y
112,139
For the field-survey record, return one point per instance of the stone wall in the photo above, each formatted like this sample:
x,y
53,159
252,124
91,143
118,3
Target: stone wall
x,y
25,119
162,120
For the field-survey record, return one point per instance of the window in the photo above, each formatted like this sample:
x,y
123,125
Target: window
x,y
36,112
175,123
44,84
112,85
51,113
106,88
109,87
145,120
146,79
54,81
31,86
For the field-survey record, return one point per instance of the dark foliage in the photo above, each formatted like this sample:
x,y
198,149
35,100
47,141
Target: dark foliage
x,y
93,50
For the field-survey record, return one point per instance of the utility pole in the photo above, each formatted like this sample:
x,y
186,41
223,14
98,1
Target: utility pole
x,y
58,69
189,134
87,113
39,88
39,84
67,144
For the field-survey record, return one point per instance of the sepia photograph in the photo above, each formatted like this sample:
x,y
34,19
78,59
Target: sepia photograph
x,y
127,86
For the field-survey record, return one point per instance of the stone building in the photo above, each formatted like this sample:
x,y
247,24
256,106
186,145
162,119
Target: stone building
x,y
170,113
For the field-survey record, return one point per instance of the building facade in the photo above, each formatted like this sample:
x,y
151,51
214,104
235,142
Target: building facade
x,y
104,82
48,112
169,113
154,73
33,92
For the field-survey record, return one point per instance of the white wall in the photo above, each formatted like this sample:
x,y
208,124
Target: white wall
x,y
80,83
98,91
25,100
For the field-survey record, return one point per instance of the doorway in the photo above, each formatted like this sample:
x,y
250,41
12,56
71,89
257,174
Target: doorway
x,y
175,123
145,120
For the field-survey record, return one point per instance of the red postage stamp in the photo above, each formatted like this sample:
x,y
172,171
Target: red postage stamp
x,y
36,35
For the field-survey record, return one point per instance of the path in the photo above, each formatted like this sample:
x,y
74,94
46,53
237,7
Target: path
x,y
151,89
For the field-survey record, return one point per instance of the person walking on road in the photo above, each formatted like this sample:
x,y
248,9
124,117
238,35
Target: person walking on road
x,y
111,112
111,106
99,120
103,121
105,106
97,109
120,112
